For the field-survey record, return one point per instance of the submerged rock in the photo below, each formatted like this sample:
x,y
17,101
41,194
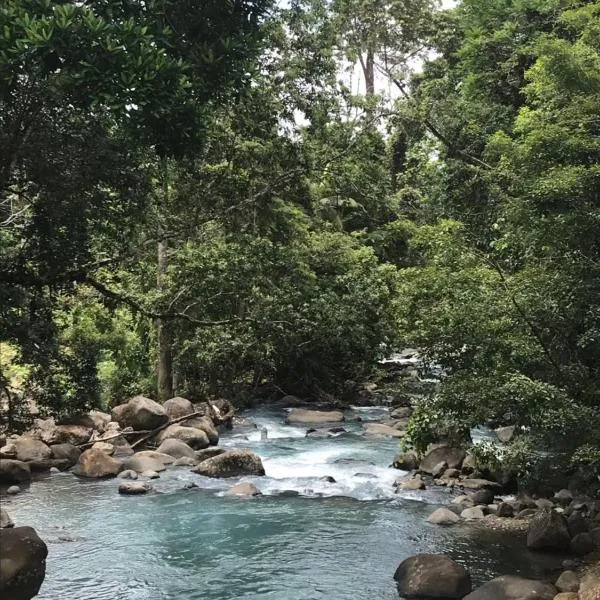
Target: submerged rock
x,y
96,464
432,576
243,489
443,516
22,563
513,588
232,463
134,488
301,415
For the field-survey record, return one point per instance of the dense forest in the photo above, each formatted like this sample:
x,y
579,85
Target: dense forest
x,y
250,199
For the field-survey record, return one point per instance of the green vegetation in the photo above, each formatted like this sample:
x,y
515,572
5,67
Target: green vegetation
x,y
195,200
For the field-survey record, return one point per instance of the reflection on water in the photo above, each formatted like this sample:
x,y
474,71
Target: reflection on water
x,y
335,541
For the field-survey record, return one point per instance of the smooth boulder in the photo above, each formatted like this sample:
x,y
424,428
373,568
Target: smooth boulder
x,y
568,582
178,407
453,457
140,464
301,415
176,449
232,463
66,452
141,413
443,516
29,448
382,430
432,576
408,461
243,489
14,471
206,425
95,464
5,520
195,438
134,488
548,531
22,563
513,588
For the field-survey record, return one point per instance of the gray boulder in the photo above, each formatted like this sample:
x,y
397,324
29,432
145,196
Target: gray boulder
x,y
505,510
14,471
22,563
185,461
548,531
505,434
380,429
96,464
141,413
443,516
140,464
513,588
582,544
452,456
301,415
178,407
232,463
484,496
195,438
408,461
206,425
176,449
202,455
243,489
29,448
472,514
66,452
568,582
134,488
432,576
165,459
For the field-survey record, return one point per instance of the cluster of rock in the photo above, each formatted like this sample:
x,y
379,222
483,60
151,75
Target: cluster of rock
x,y
98,445
438,576
22,560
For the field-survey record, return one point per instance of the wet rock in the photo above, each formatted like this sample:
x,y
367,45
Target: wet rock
x,y
432,576
472,514
505,510
453,457
380,429
451,474
189,485
505,434
22,563
439,469
14,471
243,489
232,463
464,500
141,413
582,544
150,474
443,516
202,455
96,464
513,588
484,496
134,488
407,461
301,415
185,461
328,479
193,437
176,449
206,425
479,484
413,484
568,582
548,531
104,447
66,452
178,407
13,490
5,520
54,470
140,464
469,464
128,474
29,448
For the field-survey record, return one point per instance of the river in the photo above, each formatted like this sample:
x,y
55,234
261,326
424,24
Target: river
x,y
304,539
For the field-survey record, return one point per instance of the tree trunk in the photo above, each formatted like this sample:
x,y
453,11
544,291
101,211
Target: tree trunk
x,y
163,334
368,66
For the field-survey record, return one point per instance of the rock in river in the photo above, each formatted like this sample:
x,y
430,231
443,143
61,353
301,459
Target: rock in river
x,y
134,488
432,576
301,415
29,448
443,516
22,563
513,588
14,471
453,457
193,437
176,449
141,413
548,531
243,489
96,464
232,463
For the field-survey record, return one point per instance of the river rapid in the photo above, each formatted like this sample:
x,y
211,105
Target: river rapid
x,y
304,539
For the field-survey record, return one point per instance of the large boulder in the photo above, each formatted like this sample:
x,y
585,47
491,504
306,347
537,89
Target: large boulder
x,y
165,459
141,413
568,581
195,438
50,433
178,407
443,516
202,455
382,430
66,452
141,464
548,531
22,563
232,463
206,425
28,448
14,471
407,461
513,588
94,419
95,464
301,415
243,489
452,456
432,576
176,449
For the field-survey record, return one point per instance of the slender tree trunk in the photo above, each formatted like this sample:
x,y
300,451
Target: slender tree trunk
x,y
164,336
368,67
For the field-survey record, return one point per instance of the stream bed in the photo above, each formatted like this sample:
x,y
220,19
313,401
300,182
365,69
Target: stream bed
x,y
304,539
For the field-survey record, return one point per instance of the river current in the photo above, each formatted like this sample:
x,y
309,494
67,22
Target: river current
x,y
304,539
